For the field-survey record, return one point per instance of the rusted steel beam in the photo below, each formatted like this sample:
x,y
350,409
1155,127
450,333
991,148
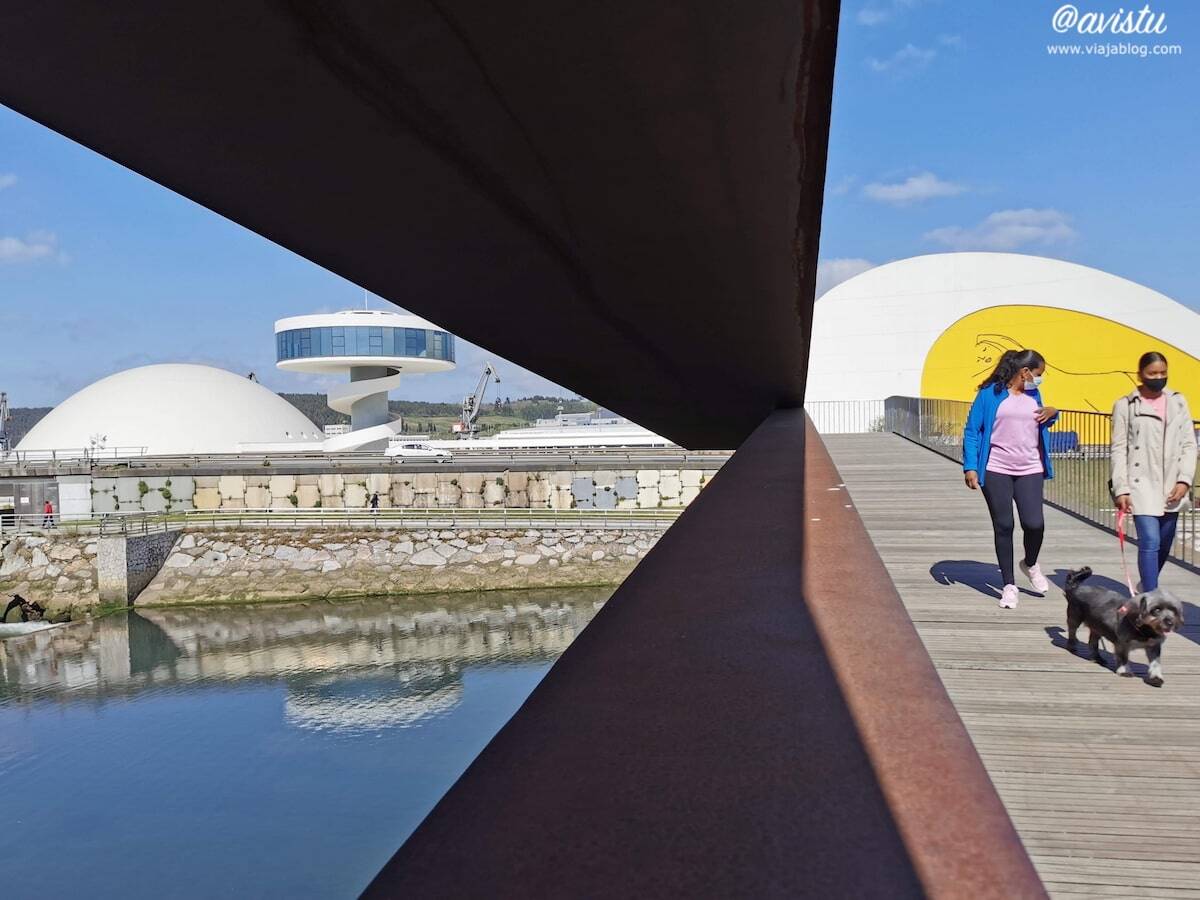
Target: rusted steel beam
x,y
711,732
957,832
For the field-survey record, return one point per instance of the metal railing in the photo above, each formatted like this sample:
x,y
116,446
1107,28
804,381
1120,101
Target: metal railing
x,y
1079,450
846,416
21,462
501,518
13,523
69,455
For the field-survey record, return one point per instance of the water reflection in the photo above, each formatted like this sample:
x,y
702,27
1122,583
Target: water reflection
x,y
319,735
367,704
348,665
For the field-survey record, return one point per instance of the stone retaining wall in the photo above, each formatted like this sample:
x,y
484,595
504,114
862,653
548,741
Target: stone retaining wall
x,y
207,566
260,565
566,489
125,564
58,572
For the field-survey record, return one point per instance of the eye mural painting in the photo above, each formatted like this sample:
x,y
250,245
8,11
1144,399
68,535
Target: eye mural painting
x,y
1090,359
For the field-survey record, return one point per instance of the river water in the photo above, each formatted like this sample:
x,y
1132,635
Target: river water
x,y
256,751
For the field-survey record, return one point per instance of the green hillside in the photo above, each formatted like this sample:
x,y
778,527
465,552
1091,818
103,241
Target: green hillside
x,y
423,417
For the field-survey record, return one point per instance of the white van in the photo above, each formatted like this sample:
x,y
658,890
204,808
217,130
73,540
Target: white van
x,y
417,450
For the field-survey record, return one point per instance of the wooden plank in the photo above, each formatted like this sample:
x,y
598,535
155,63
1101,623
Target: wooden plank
x,y
1100,774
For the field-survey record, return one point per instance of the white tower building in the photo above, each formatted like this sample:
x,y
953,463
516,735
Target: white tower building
x,y
375,348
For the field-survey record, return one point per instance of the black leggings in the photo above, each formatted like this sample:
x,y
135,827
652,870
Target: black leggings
x,y
1000,491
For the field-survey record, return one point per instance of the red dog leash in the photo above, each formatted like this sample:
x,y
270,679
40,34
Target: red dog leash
x,y
1121,516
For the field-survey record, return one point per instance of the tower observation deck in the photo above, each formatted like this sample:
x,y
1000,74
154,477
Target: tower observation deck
x,y
375,349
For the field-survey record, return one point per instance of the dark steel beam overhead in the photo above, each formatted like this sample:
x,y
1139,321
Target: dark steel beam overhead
x,y
624,197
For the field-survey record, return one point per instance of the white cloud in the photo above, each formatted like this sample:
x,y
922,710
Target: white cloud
x,y
871,16
33,247
881,13
831,272
950,40
908,58
7,180
842,187
912,190
1008,229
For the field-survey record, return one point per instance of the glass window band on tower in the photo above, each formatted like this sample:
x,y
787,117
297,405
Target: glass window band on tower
x,y
364,340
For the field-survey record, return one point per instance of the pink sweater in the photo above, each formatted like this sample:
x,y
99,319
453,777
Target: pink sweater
x,y
1015,437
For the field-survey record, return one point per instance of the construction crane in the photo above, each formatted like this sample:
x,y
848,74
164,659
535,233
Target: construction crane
x,y
466,428
5,423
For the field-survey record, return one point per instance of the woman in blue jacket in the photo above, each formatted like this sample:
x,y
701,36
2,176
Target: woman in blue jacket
x,y
1005,455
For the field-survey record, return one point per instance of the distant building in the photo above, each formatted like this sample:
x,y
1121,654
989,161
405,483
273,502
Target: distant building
x,y
374,349
595,417
934,326
170,409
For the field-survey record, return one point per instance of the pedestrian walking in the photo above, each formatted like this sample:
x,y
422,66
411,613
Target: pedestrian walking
x,y
1005,455
1153,455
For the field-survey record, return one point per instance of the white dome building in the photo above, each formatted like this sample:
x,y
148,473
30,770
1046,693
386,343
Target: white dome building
x,y
172,409
933,326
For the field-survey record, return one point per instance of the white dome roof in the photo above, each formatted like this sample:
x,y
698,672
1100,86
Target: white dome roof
x,y
171,409
873,333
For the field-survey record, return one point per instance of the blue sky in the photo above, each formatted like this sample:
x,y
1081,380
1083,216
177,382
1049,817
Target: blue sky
x,y
953,128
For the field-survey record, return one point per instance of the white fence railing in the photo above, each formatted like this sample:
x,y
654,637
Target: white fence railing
x,y
846,416
69,454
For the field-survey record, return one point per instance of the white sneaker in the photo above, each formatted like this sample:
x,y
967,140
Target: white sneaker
x,y
1008,597
1036,578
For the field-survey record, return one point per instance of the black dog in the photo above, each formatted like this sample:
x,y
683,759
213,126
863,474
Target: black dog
x,y
1142,622
31,610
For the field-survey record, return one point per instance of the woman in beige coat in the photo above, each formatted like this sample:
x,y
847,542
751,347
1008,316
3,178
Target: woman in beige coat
x,y
1153,463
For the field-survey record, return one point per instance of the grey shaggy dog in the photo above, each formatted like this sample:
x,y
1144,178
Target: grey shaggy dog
x,y
1142,622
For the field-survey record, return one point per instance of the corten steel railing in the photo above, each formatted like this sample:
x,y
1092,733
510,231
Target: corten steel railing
x,y
638,715
1079,449
443,518
846,416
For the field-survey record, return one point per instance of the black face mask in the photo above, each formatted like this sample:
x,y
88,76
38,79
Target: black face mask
x,y
1155,384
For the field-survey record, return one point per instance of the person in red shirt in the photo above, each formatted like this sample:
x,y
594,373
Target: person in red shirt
x,y
48,515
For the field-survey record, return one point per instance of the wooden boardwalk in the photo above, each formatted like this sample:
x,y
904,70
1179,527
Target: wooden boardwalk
x,y
1101,774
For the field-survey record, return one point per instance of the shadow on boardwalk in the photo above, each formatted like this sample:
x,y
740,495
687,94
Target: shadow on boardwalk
x,y
984,578
980,576
1061,737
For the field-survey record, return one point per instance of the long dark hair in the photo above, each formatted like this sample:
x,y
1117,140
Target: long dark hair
x,y
1149,359
1012,362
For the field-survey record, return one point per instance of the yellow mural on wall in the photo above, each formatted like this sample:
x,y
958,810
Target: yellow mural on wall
x,y
1090,360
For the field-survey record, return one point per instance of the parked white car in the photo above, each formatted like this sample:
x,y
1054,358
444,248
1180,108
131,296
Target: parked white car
x,y
416,450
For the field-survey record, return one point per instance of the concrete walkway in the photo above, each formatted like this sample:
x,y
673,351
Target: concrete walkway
x,y
1100,774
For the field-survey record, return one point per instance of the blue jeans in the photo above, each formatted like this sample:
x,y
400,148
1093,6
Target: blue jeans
x,y
1155,534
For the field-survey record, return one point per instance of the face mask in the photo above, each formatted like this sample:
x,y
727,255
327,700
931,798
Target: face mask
x,y
1155,384
1035,384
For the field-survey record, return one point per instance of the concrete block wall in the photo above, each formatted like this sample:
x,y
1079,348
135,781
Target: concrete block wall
x,y
143,494
543,489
